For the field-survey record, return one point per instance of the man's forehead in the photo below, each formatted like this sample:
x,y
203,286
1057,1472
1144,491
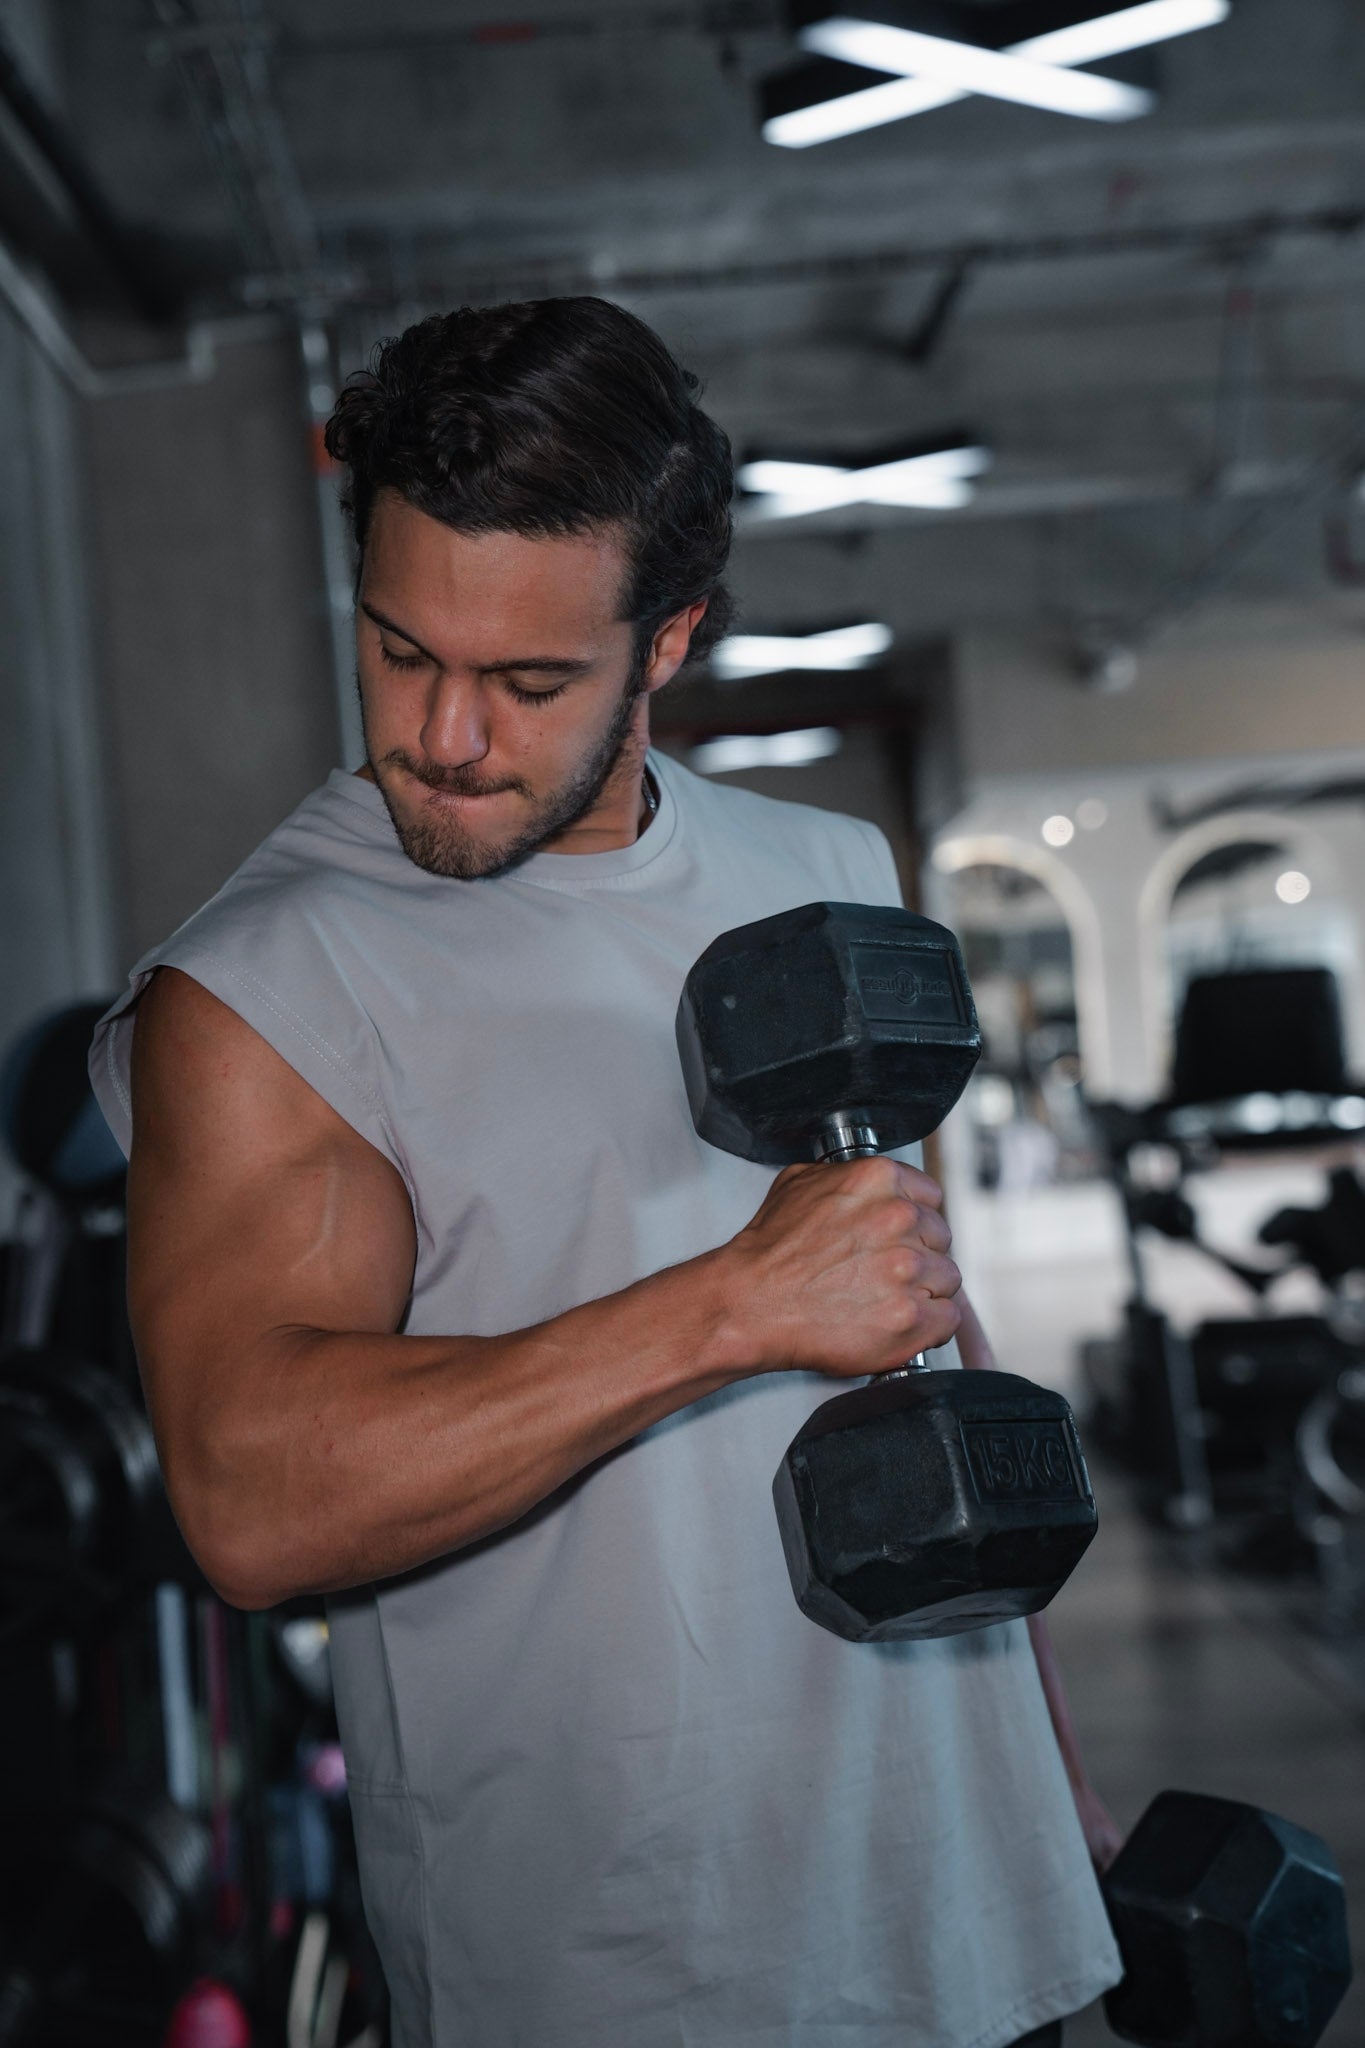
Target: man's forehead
x,y
412,560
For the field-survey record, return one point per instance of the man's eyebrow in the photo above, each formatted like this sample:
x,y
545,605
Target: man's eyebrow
x,y
531,664
536,664
391,625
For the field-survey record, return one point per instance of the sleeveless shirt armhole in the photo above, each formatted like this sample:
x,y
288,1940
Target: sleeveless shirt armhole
x,y
297,1040
887,885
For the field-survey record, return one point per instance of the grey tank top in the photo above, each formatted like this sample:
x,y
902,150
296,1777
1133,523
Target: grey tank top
x,y
611,1789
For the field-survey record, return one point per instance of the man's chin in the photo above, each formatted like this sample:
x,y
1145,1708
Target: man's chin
x,y
457,855
436,838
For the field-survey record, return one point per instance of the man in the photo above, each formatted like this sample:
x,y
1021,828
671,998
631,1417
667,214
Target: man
x,y
444,1309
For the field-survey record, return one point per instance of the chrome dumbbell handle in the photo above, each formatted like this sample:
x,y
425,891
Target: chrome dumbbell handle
x,y
843,1137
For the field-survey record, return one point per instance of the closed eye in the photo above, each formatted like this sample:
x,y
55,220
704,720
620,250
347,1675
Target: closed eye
x,y
514,690
534,696
392,660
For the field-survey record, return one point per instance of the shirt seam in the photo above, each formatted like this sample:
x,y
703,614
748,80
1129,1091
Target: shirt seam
x,y
369,1099
281,1009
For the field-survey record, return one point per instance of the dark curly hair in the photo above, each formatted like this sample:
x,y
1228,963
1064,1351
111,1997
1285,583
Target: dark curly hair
x,y
550,417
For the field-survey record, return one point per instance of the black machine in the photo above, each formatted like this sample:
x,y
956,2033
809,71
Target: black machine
x,y
1211,1420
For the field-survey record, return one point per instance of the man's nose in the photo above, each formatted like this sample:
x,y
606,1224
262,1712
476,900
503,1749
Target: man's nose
x,y
455,728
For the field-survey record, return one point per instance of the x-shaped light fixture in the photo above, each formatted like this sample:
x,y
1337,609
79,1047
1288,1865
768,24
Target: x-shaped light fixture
x,y
936,479
880,70
765,654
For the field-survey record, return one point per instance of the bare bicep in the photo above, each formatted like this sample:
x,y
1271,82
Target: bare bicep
x,y
252,1206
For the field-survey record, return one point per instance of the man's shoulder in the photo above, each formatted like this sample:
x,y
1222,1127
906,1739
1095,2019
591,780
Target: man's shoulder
x,y
322,857
799,833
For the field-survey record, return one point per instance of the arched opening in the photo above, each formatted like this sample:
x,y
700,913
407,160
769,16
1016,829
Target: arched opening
x,y
1024,1105
1245,893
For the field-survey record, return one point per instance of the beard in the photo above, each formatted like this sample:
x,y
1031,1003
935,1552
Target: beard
x,y
440,844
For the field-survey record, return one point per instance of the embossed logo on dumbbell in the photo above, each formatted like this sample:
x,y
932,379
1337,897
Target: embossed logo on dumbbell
x,y
901,991
905,986
1018,1460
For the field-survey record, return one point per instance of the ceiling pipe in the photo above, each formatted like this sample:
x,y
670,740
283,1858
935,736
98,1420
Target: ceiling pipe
x,y
924,343
866,266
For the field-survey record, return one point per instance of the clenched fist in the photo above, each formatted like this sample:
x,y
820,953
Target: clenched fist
x,y
845,1269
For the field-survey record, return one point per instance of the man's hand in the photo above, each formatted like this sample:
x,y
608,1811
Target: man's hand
x,y
845,1269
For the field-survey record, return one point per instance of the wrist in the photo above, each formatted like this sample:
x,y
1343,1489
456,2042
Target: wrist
x,y
732,1346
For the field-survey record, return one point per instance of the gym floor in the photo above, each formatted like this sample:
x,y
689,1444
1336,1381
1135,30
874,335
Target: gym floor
x,y
1174,1683
1178,1676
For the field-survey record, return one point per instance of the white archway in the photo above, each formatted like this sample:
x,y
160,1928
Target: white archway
x,y
1304,845
1006,850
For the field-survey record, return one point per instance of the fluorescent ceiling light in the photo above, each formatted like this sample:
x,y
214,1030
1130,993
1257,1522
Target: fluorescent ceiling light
x,y
827,120
736,751
941,481
997,73
1131,28
1085,42
764,654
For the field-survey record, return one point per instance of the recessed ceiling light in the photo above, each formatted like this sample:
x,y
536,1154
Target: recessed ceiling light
x,y
1058,830
1292,887
735,751
760,654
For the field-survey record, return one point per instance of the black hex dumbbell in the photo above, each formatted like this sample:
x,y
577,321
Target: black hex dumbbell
x,y
1232,1928
928,1502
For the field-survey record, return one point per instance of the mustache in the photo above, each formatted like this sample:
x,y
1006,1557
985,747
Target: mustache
x,y
450,781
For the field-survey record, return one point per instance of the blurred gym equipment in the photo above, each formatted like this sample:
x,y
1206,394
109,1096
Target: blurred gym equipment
x,y
1259,1065
176,1859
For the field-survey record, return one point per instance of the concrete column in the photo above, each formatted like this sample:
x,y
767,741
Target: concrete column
x,y
57,932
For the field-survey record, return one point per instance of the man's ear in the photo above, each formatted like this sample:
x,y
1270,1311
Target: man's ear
x,y
670,645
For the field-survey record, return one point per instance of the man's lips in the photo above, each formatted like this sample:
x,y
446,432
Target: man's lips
x,y
450,792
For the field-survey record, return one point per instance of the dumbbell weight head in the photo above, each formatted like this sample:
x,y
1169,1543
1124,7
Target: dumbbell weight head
x,y
1232,1928
831,1009
929,1504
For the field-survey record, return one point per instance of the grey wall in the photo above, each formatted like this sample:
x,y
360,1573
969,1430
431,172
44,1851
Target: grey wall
x,y
212,650
1258,681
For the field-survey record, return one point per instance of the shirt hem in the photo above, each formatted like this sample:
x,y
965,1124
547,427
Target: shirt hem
x,y
1061,2001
